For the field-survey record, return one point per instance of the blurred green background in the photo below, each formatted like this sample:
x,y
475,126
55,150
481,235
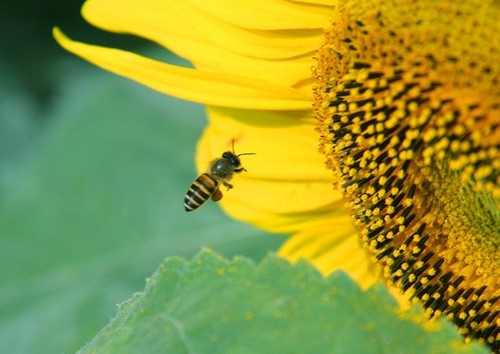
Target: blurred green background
x,y
93,171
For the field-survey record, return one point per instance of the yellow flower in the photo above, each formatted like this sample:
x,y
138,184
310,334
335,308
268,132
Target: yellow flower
x,y
406,112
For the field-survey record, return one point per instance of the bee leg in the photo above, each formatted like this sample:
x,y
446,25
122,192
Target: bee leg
x,y
241,169
216,196
228,186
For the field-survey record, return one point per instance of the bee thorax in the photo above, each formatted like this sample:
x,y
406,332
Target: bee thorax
x,y
222,168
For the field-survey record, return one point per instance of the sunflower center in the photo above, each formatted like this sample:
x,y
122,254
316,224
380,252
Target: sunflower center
x,y
409,121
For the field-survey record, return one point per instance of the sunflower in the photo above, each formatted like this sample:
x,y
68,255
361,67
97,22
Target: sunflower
x,y
375,126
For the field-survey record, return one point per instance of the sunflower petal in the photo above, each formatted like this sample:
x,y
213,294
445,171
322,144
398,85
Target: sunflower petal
x,y
265,14
279,157
332,248
176,25
330,3
195,85
287,173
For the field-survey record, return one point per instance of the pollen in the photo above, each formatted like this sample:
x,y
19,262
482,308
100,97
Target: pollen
x,y
415,139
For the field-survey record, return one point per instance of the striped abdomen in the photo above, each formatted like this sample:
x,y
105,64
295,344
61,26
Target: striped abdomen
x,y
200,191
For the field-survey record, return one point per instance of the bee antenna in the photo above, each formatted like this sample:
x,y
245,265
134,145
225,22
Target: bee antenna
x,y
245,153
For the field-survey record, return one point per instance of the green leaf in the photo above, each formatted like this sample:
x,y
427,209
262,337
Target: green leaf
x,y
92,202
212,305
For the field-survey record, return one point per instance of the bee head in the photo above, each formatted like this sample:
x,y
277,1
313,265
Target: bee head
x,y
233,159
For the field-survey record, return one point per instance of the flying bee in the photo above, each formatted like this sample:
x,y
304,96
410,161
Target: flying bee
x,y
220,171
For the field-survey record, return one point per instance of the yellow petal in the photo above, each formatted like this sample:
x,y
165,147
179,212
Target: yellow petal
x,y
286,182
332,244
284,143
190,84
204,40
317,2
173,23
264,14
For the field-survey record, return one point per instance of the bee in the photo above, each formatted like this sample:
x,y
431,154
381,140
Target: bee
x,y
206,186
